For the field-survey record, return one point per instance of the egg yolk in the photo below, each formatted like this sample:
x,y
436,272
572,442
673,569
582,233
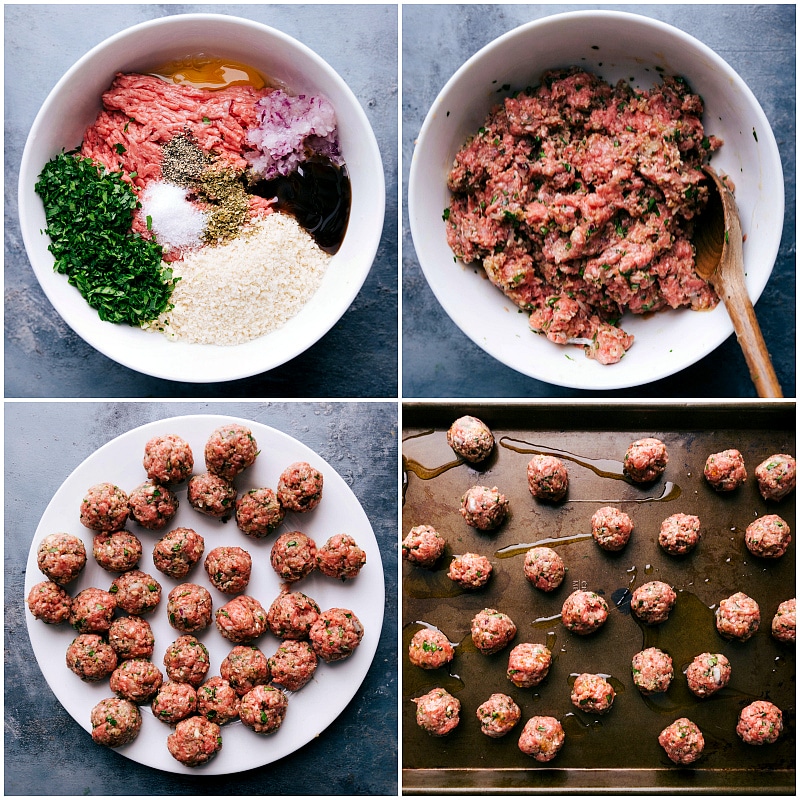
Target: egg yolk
x,y
208,72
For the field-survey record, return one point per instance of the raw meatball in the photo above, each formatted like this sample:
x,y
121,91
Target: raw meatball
x,y
492,630
48,602
423,546
291,615
498,715
682,741
92,611
340,557
784,623
547,478
738,617
679,534
195,741
776,476
437,712
189,608
152,505
652,671
470,438
104,508
484,509
293,664
242,619
336,634
136,592
258,512
584,612
174,702
544,568
91,657
652,602
725,471
118,551
528,664
768,536
211,495
542,738
263,709
115,722
708,673
645,460
229,569
761,722
131,637
245,667
300,487
61,557
611,528
294,555
470,571
592,693
186,660
217,701
430,649
168,459
137,680
178,551
230,449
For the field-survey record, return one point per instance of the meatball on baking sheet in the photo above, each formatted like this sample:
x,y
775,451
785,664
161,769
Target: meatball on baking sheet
x,y
617,751
323,698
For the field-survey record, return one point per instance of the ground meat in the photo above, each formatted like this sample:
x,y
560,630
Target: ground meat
x,y
242,619
592,693
291,615
768,536
776,476
115,722
483,508
173,702
211,495
263,709
104,508
189,608
137,680
423,546
584,612
294,555
679,534
340,557
708,673
91,657
168,459
528,664
470,438
498,715
300,487
48,602
760,722
645,460
92,611
784,623
259,513
195,741
682,741
229,569
437,712
652,671
725,471
544,568
293,665
430,649
244,668
547,478
217,701
470,571
186,660
152,505
136,592
131,637
652,602
119,551
542,738
737,617
61,557
492,630
178,551
336,634
611,528
230,450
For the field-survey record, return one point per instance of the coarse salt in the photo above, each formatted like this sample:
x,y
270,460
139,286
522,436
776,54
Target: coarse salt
x,y
175,222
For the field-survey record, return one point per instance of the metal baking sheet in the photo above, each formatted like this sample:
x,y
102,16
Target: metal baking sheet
x,y
618,752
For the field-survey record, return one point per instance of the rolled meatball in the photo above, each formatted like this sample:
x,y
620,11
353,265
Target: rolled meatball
x,y
230,450
492,631
768,536
470,571
195,741
679,534
263,709
211,495
294,556
776,476
241,620
115,722
229,569
137,680
136,592
760,722
259,513
131,637
118,551
340,557
708,673
652,602
498,715
92,611
168,459
430,649
652,671
592,693
178,551
173,702
91,657
437,712
217,701
104,508
291,615
152,505
50,603
725,471
244,668
470,438
528,664
611,528
61,557
186,660
542,738
293,665
784,623
483,508
584,612
300,487
336,634
189,608
737,617
547,478
423,546
682,741
645,460
544,568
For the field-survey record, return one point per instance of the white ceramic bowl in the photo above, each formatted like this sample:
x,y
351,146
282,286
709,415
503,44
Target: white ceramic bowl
x,y
614,45
72,106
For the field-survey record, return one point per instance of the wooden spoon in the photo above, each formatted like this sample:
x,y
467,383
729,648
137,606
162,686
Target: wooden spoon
x,y
719,260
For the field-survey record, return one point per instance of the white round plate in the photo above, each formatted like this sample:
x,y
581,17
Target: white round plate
x,y
312,708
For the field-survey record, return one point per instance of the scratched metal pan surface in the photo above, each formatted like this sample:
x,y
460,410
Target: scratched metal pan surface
x,y
618,752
